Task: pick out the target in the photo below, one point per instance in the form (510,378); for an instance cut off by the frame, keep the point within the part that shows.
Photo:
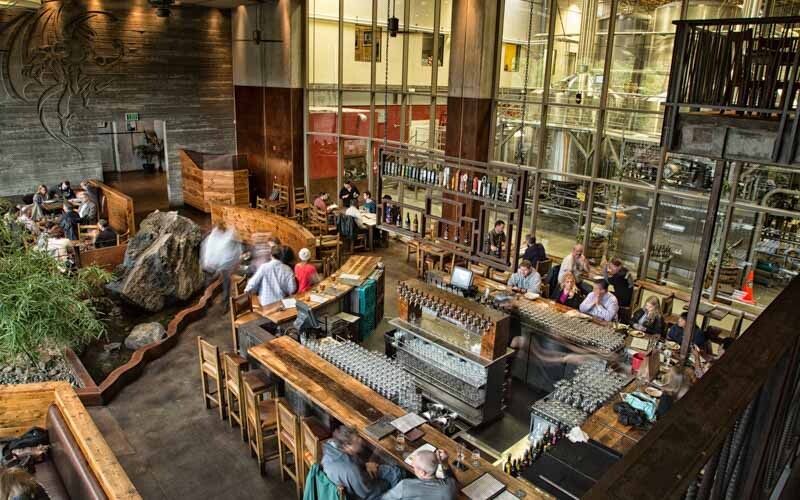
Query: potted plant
(148,153)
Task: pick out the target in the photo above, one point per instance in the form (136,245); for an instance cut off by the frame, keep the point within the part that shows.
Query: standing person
(599,303)
(348,194)
(342,464)
(87,210)
(426,486)
(369,204)
(620,278)
(106,236)
(497,238)
(273,281)
(649,318)
(38,210)
(574,263)
(567,292)
(69,222)
(304,272)
(91,191)
(65,190)
(220,253)
(534,253)
(526,279)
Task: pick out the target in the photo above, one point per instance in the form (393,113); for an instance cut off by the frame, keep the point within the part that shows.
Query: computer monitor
(461,278)
(306,320)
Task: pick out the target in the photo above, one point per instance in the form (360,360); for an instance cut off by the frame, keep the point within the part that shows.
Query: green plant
(147,152)
(42,307)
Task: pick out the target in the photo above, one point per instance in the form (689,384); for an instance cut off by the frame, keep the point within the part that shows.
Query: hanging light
(20,4)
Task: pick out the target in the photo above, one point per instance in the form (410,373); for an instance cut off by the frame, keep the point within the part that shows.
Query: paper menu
(483,488)
(506,496)
(425,447)
(319,299)
(347,276)
(640,344)
(289,303)
(407,422)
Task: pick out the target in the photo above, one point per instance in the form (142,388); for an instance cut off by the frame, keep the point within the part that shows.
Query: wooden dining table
(354,404)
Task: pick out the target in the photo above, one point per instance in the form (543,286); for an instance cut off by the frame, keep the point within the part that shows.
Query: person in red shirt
(305,273)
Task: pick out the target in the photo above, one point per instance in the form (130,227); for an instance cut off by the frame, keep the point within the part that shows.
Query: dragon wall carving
(53,58)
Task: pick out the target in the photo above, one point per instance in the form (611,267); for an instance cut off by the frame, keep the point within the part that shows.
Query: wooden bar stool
(289,443)
(312,434)
(210,368)
(262,422)
(234,366)
(241,312)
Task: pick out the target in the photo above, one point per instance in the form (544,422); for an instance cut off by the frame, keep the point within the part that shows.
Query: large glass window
(514,51)
(323,43)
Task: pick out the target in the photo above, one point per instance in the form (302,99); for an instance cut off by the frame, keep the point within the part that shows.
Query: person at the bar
(342,464)
(305,272)
(348,193)
(497,238)
(600,303)
(649,319)
(534,253)
(369,204)
(620,279)
(567,292)
(675,333)
(574,263)
(526,279)
(426,485)
(273,280)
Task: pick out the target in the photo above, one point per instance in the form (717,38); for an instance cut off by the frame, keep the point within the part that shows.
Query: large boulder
(162,262)
(144,334)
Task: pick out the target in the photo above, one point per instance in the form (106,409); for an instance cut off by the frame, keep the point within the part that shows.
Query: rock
(144,334)
(162,262)
(113,346)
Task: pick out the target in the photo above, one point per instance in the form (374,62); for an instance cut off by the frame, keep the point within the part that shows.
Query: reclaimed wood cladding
(178,70)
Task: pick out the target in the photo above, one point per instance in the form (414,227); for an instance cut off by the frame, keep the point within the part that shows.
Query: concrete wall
(124,59)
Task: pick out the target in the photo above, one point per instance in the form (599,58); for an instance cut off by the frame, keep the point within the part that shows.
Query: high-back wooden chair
(85,230)
(312,435)
(289,444)
(330,246)
(499,276)
(234,365)
(210,368)
(123,238)
(302,204)
(478,269)
(261,203)
(543,267)
(241,312)
(281,205)
(262,421)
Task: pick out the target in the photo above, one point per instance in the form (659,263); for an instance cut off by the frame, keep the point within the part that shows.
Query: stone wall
(88,63)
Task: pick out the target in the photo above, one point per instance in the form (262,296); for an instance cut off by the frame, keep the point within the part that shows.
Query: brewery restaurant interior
(399,249)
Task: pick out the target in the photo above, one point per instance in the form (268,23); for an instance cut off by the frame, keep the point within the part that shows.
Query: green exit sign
(131,117)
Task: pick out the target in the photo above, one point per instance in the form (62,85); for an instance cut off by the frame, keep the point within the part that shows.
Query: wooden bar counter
(354,404)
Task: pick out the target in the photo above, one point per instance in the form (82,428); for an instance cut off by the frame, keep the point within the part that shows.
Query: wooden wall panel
(117,208)
(107,258)
(250,139)
(249,221)
(200,187)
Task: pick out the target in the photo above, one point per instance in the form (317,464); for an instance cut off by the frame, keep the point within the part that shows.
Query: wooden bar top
(604,427)
(356,405)
(332,287)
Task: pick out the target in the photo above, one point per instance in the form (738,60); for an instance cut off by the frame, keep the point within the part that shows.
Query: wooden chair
(624,314)
(123,237)
(544,290)
(543,267)
(412,246)
(85,230)
(301,203)
(262,422)
(234,365)
(666,310)
(261,203)
(478,269)
(312,434)
(281,205)
(210,368)
(330,246)
(241,312)
(499,276)
(289,443)
(239,284)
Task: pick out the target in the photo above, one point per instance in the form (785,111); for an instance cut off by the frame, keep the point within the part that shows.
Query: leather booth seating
(66,474)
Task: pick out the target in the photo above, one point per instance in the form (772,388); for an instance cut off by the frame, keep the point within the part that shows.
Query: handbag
(643,403)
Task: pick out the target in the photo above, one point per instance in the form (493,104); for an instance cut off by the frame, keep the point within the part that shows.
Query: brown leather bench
(66,474)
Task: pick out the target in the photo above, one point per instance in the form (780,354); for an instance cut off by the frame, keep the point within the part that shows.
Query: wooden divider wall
(212,181)
(116,207)
(250,221)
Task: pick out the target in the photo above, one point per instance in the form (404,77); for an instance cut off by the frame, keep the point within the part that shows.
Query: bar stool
(289,443)
(261,417)
(234,365)
(312,434)
(210,368)
(241,311)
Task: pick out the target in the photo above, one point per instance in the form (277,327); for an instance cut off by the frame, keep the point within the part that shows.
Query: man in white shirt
(575,263)
(273,280)
(599,303)
(355,213)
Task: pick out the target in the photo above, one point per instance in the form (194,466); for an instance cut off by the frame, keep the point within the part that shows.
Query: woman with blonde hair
(649,319)
(16,484)
(567,291)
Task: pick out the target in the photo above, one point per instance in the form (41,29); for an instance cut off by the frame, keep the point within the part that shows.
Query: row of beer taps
(471,320)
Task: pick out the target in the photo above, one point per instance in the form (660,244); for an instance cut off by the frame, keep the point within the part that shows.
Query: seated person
(305,272)
(675,333)
(496,239)
(18,484)
(526,279)
(567,292)
(620,278)
(600,304)
(69,222)
(344,467)
(273,280)
(38,210)
(57,244)
(649,318)
(574,263)
(91,191)
(87,210)
(349,193)
(105,237)
(65,190)
(426,485)
(321,202)
(369,204)
(534,253)
(355,213)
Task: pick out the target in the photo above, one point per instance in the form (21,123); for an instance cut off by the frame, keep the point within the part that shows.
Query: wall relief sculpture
(53,58)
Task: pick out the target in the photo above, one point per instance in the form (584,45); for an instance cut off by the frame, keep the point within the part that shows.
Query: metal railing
(735,432)
(746,68)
